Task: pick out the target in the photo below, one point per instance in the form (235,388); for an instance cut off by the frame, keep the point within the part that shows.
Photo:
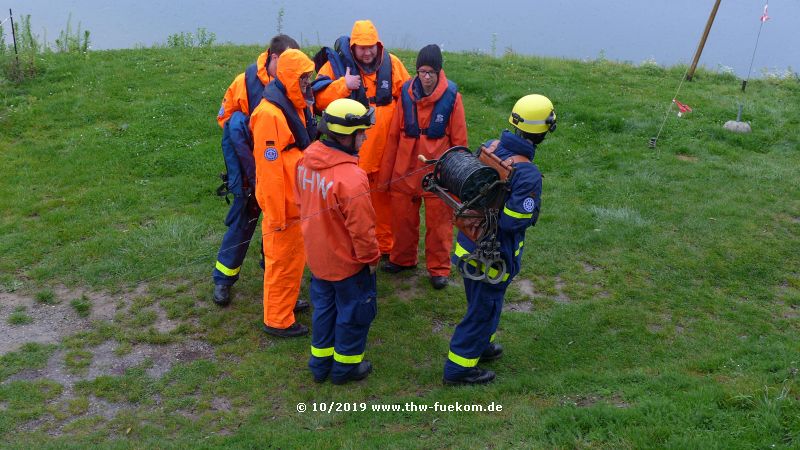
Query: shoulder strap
(254,87)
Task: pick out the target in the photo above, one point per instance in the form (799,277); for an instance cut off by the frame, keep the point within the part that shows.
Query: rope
(753,58)
(464,175)
(5,20)
(669,108)
(247,242)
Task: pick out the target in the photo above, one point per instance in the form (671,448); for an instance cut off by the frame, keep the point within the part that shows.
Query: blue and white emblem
(271,154)
(528,204)
(385,84)
(221,111)
(439,118)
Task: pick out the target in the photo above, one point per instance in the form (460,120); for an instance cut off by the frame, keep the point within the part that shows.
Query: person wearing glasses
(428,120)
(240,100)
(282,126)
(338,224)
(360,68)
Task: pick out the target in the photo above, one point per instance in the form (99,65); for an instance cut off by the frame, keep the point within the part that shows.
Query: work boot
(492,352)
(476,375)
(359,373)
(301,305)
(439,282)
(222,294)
(390,267)
(296,329)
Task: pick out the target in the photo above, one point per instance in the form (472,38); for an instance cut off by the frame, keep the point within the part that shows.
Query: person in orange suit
(428,120)
(282,126)
(241,98)
(363,70)
(340,244)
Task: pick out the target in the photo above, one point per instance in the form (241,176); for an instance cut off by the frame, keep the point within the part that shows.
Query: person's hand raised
(352,82)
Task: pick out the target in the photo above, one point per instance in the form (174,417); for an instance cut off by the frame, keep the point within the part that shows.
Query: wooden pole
(690,74)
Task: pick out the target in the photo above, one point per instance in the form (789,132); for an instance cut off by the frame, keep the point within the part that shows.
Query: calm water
(666,31)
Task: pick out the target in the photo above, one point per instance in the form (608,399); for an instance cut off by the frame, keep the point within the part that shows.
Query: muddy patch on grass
(523,307)
(587,401)
(159,359)
(687,158)
(561,297)
(526,288)
(51,322)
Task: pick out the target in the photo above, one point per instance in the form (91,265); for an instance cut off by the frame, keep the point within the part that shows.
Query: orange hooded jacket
(235,98)
(370,154)
(272,137)
(338,218)
(400,167)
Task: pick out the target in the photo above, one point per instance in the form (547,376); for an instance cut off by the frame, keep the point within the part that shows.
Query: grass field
(658,306)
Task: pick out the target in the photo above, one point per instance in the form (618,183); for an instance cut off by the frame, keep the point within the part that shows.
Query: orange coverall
(371,152)
(235,98)
(402,171)
(275,178)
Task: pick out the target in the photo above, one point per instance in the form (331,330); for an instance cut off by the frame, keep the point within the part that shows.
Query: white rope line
(669,108)
(760,27)
(204,257)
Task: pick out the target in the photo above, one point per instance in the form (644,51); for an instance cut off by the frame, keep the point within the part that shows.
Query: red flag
(765,17)
(682,108)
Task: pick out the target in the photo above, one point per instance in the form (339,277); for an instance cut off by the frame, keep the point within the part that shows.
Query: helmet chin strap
(535,138)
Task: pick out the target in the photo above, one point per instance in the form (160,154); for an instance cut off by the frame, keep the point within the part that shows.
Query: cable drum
(460,172)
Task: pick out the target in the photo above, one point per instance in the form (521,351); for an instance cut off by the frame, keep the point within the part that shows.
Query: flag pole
(702,44)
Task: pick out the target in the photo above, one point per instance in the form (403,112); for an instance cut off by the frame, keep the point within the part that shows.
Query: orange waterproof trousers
(438,232)
(382,204)
(284,260)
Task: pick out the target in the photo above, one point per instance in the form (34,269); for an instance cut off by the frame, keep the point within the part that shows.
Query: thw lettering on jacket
(311,180)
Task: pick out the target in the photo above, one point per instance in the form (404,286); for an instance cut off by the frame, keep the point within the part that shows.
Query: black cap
(430,55)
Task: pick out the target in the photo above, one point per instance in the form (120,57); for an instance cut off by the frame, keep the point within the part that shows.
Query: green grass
(19,316)
(82,306)
(667,279)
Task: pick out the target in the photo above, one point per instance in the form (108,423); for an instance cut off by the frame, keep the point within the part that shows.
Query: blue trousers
(477,328)
(343,312)
(242,220)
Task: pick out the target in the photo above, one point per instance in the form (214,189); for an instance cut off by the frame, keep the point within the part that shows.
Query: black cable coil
(460,172)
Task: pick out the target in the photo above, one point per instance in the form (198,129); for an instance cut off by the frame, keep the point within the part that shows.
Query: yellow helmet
(533,114)
(345,116)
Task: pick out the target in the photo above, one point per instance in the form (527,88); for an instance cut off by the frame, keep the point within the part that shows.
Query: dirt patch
(688,158)
(526,288)
(50,322)
(442,328)
(561,297)
(792,312)
(587,401)
(654,327)
(105,361)
(220,404)
(589,267)
(523,307)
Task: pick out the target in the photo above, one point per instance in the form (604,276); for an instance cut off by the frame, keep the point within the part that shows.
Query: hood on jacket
(261,63)
(416,92)
(364,33)
(319,156)
(291,65)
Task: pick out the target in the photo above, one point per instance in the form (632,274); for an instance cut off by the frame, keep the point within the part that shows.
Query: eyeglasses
(425,73)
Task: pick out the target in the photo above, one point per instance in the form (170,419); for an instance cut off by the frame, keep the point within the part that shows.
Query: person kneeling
(338,223)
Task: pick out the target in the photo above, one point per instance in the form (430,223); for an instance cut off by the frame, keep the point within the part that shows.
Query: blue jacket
(520,207)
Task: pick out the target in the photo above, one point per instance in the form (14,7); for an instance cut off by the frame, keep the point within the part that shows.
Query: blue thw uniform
(240,100)
(485,301)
